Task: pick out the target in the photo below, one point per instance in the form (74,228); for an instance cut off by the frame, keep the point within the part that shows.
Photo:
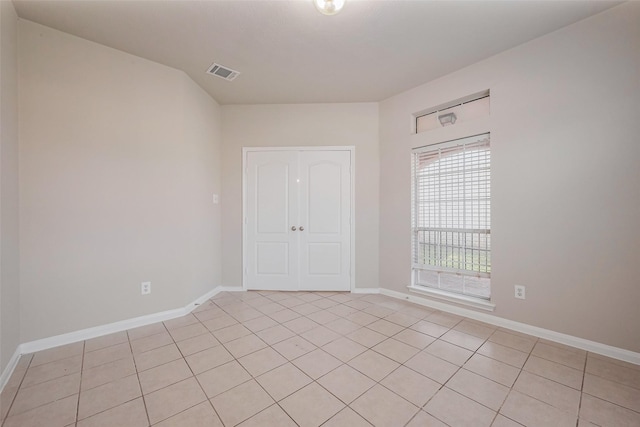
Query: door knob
(293,228)
(301,228)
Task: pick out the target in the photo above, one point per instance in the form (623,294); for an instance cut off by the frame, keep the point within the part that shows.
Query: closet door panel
(272,209)
(325,207)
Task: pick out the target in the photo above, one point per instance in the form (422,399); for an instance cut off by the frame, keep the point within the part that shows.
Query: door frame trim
(352,150)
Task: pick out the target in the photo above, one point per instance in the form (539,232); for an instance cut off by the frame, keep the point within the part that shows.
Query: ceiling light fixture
(329,7)
(447,119)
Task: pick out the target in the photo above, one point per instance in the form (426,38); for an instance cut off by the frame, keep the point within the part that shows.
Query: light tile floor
(310,359)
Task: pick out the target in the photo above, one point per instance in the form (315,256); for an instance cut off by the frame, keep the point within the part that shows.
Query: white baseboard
(570,340)
(11,366)
(231,288)
(98,331)
(365,290)
(123,325)
(201,300)
(85,334)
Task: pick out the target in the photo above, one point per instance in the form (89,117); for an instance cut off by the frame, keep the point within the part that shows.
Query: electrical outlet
(216,199)
(145,288)
(520,292)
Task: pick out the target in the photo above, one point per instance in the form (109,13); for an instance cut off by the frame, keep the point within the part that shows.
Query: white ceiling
(287,52)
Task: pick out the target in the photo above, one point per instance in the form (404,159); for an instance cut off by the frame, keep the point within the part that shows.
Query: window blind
(451,215)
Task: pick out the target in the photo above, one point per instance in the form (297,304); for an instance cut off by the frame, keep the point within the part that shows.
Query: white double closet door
(297,228)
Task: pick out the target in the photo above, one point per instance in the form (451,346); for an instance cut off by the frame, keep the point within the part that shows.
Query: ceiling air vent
(222,72)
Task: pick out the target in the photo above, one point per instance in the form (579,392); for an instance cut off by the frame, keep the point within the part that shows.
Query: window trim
(470,301)
(451,104)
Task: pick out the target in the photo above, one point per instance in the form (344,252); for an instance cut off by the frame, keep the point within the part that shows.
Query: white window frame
(466,109)
(429,289)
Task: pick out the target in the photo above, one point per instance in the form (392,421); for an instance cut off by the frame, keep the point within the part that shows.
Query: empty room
(319,213)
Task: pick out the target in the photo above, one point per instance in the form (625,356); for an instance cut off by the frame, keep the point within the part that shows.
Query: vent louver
(223,72)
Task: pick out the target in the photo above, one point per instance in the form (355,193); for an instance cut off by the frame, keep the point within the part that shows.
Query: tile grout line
(382,379)
(20,388)
(234,359)
(84,346)
(548,379)
(520,369)
(612,380)
(602,398)
(135,366)
(174,342)
(17,391)
(452,375)
(188,366)
(196,376)
(584,374)
(514,383)
(255,378)
(257,382)
(461,367)
(387,337)
(277,402)
(183,357)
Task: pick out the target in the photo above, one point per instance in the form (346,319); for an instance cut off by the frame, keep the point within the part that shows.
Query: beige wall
(119,158)
(303,125)
(565,176)
(201,219)
(9,251)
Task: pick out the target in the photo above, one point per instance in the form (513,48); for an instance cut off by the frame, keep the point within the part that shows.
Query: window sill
(449,297)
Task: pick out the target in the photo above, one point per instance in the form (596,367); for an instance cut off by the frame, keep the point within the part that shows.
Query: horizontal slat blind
(451,210)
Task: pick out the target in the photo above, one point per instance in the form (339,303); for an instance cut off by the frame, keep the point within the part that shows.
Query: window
(464,110)
(451,216)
